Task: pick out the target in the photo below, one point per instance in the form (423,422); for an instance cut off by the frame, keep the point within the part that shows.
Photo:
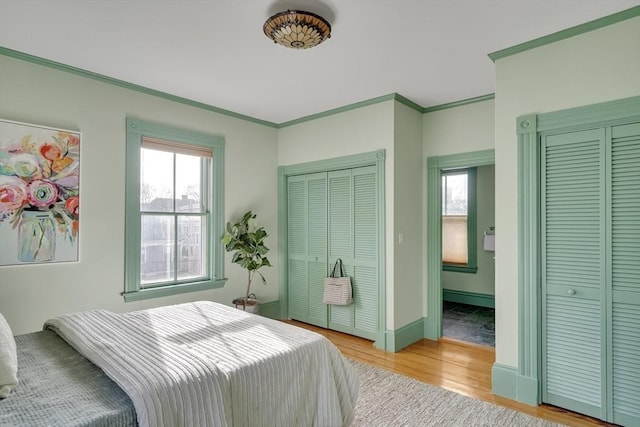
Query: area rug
(388,399)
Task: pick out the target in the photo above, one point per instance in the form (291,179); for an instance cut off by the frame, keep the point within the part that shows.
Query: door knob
(571,292)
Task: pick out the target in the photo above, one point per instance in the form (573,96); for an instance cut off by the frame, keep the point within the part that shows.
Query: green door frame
(528,381)
(435,166)
(373,158)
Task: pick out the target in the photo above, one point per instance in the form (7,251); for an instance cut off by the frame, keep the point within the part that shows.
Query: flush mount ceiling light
(297,29)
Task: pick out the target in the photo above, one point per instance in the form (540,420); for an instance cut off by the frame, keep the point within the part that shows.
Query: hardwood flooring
(454,365)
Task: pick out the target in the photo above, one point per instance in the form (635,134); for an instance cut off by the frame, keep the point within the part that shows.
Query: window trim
(136,130)
(472,221)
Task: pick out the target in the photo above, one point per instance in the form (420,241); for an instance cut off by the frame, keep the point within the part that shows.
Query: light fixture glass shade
(297,29)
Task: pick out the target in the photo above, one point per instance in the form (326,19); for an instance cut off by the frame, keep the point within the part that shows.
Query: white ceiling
(214,51)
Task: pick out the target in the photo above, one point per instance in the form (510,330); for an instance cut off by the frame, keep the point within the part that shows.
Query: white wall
(355,131)
(483,282)
(30,294)
(598,66)
(459,130)
(408,256)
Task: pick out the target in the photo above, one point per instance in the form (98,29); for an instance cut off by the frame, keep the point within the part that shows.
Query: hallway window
(459,220)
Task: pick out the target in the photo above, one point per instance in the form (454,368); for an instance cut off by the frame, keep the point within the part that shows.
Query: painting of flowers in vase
(39,194)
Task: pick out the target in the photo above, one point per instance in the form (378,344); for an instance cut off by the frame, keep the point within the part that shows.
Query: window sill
(168,290)
(460,268)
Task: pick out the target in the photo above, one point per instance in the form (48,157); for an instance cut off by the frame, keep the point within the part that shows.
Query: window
(459,220)
(174,208)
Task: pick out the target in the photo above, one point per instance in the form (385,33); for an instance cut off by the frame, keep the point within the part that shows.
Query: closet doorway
(333,209)
(580,258)
(436,166)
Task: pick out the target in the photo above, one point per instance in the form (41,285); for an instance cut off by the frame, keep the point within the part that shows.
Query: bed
(195,364)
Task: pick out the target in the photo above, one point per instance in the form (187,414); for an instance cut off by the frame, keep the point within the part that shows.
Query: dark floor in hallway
(468,323)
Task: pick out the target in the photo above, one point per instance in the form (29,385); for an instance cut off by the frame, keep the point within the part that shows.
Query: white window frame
(137,130)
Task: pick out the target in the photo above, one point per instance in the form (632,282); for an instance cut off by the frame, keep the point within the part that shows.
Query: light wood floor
(453,365)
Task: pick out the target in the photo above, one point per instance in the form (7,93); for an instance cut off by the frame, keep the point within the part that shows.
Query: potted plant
(247,242)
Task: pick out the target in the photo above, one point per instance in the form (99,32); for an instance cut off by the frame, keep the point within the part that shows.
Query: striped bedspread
(206,364)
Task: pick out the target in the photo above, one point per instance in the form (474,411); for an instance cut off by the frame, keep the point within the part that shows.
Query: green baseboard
(471,298)
(270,309)
(507,382)
(405,336)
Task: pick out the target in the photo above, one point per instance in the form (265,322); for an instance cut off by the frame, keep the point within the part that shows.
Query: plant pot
(248,304)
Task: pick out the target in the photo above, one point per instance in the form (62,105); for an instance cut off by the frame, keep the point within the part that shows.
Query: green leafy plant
(247,241)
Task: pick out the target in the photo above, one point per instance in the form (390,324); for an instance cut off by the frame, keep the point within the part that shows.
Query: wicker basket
(248,304)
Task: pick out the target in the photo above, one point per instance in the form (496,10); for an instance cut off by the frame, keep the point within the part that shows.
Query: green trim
(529,128)
(382,250)
(354,106)
(338,163)
(527,390)
(131,86)
(435,166)
(462,160)
(270,309)
(460,103)
(588,117)
(375,158)
(136,130)
(166,291)
(459,268)
(471,298)
(283,242)
(148,91)
(405,336)
(506,382)
(409,103)
(392,96)
(528,213)
(567,33)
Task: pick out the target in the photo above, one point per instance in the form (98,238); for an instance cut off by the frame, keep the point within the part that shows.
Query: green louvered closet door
(353,238)
(591,272)
(624,274)
(334,215)
(307,242)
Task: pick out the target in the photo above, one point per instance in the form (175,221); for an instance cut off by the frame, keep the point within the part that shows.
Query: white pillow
(8,359)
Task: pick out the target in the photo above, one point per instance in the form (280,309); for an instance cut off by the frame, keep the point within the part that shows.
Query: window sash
(173,243)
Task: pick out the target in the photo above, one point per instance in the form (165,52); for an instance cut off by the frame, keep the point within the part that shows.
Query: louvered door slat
(297,216)
(625,272)
(572,221)
(340,216)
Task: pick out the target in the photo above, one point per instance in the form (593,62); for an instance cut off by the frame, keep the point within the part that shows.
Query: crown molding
(460,103)
(567,33)
(121,83)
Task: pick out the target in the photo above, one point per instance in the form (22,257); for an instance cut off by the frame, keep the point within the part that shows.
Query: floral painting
(39,194)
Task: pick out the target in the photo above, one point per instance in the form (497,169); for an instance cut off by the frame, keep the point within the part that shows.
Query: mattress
(59,387)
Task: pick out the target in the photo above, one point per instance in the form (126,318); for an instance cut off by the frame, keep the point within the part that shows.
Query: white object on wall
(489,241)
